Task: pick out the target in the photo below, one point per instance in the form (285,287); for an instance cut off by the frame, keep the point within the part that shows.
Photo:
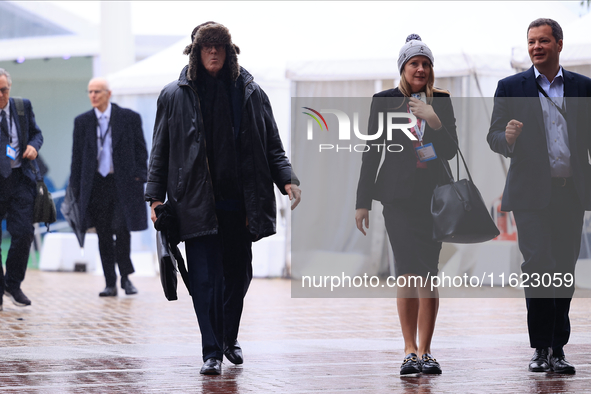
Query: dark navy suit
(17,196)
(549,215)
(113,204)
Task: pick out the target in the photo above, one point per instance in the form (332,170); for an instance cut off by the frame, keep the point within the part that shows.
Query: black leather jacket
(178,168)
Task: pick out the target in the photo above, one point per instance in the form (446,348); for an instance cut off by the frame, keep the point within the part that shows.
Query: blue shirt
(555,124)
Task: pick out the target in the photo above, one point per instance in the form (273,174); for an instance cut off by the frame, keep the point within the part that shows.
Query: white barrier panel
(61,252)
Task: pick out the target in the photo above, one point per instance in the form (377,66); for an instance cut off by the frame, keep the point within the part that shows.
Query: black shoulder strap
(181,266)
(20,109)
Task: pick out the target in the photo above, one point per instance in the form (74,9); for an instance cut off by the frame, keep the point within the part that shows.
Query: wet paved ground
(72,341)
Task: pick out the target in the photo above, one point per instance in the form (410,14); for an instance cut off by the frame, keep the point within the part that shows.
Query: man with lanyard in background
(18,150)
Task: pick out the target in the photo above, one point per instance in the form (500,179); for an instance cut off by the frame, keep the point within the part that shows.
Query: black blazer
(396,175)
(528,183)
(130,159)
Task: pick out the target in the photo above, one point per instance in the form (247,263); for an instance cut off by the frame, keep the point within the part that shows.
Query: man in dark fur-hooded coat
(215,156)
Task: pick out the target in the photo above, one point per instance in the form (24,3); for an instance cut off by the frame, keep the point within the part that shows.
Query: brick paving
(72,341)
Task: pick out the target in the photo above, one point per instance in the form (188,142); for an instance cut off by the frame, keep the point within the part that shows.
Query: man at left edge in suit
(108,172)
(18,150)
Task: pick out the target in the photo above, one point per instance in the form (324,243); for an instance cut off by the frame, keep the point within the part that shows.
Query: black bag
(44,208)
(169,256)
(169,259)
(459,213)
(167,267)
(71,212)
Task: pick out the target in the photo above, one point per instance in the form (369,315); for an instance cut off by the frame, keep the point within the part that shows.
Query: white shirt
(13,134)
(556,127)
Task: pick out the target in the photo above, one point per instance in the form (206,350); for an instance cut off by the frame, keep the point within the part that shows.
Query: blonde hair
(406,90)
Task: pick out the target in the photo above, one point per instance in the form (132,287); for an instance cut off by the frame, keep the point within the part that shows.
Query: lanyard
(561,110)
(420,131)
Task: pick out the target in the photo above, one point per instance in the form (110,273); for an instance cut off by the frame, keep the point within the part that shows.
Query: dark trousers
(17,198)
(109,221)
(550,240)
(220,271)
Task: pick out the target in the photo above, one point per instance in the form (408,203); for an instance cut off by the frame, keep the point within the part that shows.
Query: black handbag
(44,209)
(459,213)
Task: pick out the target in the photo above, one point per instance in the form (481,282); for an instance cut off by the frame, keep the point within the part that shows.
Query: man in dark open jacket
(215,156)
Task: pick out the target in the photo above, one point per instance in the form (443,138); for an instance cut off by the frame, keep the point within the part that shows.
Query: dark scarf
(218,119)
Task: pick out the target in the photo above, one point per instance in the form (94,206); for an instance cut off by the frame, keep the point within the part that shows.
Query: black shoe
(212,366)
(128,286)
(429,364)
(234,353)
(109,292)
(18,297)
(539,362)
(410,364)
(560,365)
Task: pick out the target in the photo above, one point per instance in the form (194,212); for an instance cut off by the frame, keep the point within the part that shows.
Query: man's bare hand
(512,131)
(361,216)
(294,193)
(30,153)
(153,215)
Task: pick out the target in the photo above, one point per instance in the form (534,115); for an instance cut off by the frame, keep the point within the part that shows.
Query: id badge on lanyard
(424,152)
(10,152)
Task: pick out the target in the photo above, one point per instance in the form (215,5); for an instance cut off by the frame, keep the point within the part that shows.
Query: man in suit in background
(541,120)
(109,169)
(18,150)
